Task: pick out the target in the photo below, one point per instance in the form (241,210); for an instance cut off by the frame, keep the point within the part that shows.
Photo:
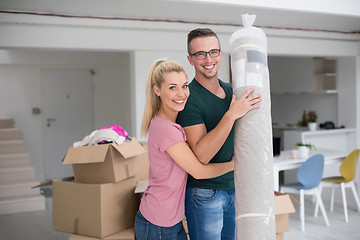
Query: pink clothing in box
(163,202)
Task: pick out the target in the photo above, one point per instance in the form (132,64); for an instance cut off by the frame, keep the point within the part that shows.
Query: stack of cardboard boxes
(101,202)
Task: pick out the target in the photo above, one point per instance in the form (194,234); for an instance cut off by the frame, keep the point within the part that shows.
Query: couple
(191,133)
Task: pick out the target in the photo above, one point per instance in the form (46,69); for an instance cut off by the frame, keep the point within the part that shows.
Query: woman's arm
(185,158)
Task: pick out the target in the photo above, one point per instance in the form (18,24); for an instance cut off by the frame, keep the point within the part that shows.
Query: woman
(162,205)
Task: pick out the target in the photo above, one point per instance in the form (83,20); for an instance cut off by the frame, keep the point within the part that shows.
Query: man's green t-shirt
(203,107)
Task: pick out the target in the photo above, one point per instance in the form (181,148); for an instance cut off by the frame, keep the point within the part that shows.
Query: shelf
(324,74)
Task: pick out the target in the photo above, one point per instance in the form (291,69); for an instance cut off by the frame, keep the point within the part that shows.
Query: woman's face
(174,92)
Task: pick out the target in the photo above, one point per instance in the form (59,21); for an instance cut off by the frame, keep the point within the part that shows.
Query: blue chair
(309,176)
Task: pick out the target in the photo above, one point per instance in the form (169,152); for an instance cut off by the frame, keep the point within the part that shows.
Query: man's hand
(239,107)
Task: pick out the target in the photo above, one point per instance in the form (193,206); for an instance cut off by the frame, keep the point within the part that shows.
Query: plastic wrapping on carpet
(253,154)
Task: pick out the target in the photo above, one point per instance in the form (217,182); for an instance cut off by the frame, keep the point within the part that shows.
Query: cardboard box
(283,206)
(95,210)
(49,183)
(280,236)
(185,225)
(143,164)
(128,234)
(106,163)
(141,186)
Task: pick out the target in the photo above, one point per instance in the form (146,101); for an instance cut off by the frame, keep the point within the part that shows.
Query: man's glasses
(202,55)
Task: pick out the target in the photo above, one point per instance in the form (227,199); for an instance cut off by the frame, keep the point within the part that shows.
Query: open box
(106,163)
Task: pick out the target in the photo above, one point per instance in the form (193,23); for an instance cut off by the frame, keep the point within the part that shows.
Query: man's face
(208,67)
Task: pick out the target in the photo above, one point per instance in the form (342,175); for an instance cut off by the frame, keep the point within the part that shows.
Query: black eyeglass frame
(206,53)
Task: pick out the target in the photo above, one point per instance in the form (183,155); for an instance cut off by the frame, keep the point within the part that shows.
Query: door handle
(49,120)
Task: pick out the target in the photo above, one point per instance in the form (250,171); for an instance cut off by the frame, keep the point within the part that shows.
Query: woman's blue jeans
(210,214)
(145,230)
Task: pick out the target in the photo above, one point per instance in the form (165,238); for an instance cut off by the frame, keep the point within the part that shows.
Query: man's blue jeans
(210,214)
(145,230)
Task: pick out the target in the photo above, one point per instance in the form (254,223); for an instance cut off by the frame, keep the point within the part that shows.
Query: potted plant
(304,149)
(312,117)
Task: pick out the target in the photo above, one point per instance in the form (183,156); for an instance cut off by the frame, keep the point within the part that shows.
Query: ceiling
(280,14)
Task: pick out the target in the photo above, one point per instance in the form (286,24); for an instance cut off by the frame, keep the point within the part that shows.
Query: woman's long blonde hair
(155,77)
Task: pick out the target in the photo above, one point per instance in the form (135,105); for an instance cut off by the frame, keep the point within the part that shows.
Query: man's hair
(199,32)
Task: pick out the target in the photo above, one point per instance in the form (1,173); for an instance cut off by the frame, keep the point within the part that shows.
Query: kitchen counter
(342,139)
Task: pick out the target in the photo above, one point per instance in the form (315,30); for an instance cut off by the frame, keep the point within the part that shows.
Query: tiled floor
(38,225)
(316,229)
(30,226)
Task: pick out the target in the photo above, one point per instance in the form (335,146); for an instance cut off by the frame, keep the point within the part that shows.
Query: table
(285,161)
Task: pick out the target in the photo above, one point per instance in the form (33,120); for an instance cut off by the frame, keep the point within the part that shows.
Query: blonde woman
(162,205)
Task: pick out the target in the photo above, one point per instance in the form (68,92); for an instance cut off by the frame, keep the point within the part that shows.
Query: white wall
(20,91)
(357,97)
(357,105)
(347,91)
(112,81)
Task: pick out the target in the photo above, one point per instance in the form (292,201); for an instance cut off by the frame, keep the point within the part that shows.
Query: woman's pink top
(163,202)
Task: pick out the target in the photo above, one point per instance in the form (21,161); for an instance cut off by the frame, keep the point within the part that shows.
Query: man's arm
(206,144)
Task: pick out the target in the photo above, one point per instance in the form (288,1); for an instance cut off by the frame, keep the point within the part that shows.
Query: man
(208,120)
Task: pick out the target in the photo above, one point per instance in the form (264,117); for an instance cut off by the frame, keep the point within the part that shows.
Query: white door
(68,112)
